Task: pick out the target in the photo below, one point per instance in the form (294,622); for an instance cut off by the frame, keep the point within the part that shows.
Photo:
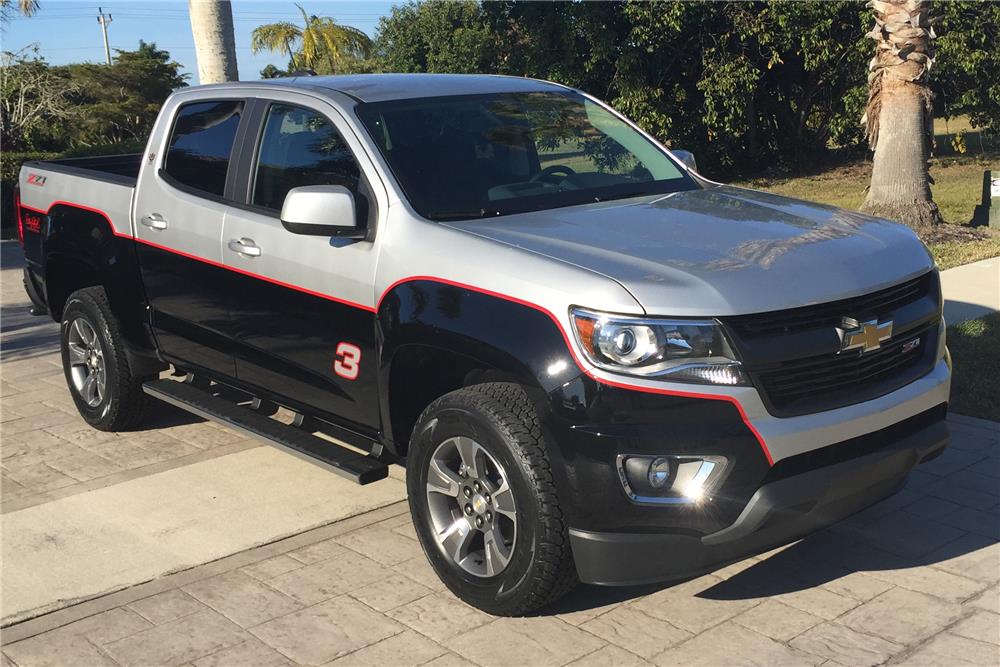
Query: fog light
(670,479)
(659,473)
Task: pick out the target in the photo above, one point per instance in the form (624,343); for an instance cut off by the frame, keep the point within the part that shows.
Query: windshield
(478,156)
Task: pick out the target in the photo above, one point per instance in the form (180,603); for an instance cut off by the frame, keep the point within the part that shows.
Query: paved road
(972,290)
(913,580)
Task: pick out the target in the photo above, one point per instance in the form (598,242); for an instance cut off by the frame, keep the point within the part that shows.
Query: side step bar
(350,464)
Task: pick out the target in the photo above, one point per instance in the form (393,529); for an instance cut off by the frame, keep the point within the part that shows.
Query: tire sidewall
(77,307)
(505,589)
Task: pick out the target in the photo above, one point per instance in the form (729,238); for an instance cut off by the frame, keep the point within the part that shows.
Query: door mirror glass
(321,210)
(686,158)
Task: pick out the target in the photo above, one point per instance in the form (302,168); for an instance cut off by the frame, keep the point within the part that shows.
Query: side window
(300,147)
(201,143)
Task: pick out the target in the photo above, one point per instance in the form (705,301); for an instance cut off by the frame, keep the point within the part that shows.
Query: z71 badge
(35,179)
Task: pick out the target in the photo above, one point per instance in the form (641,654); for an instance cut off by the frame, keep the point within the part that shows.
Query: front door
(302,306)
(179,212)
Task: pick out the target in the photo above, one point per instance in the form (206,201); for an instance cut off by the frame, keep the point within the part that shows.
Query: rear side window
(201,143)
(300,147)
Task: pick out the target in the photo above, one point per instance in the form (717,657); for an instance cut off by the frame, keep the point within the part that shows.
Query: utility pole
(104,20)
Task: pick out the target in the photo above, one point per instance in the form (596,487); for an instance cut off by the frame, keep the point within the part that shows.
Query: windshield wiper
(623,195)
(465,215)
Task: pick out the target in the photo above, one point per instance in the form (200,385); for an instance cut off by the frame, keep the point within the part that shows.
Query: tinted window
(300,147)
(480,156)
(201,143)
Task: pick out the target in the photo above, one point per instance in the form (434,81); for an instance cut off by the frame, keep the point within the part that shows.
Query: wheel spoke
(503,500)
(497,553)
(442,480)
(77,354)
(468,449)
(101,384)
(89,389)
(456,539)
(87,334)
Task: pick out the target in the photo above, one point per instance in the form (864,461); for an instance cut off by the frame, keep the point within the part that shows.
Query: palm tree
(319,39)
(899,116)
(214,41)
(25,7)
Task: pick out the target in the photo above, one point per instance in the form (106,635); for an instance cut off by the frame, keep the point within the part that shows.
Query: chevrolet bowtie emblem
(865,336)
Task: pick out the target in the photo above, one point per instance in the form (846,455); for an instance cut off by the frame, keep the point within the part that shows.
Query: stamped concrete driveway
(913,580)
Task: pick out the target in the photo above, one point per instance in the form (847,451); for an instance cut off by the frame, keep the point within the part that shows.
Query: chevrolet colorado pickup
(595,364)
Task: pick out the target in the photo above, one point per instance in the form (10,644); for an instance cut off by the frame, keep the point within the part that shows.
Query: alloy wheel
(471,507)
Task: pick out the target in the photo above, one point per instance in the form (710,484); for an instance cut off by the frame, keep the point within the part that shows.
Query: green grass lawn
(957,189)
(975,354)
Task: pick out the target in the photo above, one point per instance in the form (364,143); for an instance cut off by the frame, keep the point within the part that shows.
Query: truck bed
(122,169)
(104,185)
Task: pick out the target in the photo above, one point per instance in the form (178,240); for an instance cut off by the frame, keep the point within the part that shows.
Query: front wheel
(484,503)
(107,395)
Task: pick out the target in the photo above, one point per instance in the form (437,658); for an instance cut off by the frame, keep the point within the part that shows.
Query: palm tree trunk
(214,40)
(899,115)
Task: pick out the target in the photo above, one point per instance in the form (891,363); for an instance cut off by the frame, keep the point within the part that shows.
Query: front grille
(793,356)
(823,382)
(830,314)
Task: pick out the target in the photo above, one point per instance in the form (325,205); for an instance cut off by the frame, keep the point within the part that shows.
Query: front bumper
(790,504)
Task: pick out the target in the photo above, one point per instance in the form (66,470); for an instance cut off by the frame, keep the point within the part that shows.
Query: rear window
(201,143)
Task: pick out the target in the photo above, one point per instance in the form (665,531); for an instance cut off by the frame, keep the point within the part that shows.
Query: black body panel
(189,309)
(592,423)
(438,334)
(286,340)
(73,248)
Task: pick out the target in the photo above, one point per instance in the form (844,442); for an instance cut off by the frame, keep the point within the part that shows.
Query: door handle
(154,221)
(245,247)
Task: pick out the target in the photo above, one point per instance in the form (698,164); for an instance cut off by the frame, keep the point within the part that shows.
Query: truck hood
(720,251)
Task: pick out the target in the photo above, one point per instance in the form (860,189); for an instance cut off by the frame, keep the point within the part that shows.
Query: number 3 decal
(348,361)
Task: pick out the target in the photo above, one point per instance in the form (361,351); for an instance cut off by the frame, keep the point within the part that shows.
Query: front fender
(444,331)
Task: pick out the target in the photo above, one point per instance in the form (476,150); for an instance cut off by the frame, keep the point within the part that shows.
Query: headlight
(678,350)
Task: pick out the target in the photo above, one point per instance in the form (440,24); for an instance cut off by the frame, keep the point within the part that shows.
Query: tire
(118,403)
(501,419)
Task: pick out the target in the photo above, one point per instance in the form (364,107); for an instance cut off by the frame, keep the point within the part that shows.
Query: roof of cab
(387,87)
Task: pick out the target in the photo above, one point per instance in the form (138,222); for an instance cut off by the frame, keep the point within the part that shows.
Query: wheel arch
(81,250)
(437,337)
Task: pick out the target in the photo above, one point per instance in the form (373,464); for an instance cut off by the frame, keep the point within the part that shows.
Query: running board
(348,463)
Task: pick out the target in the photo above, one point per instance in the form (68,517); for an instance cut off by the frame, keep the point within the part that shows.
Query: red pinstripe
(445,281)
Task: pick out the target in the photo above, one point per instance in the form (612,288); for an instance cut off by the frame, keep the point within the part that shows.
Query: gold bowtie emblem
(865,336)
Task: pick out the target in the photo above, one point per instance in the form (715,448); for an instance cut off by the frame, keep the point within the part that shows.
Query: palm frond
(274,37)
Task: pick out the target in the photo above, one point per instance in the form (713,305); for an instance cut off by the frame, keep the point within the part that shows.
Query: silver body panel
(720,251)
(715,252)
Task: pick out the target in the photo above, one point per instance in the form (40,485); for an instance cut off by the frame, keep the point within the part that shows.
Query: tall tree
(25,7)
(214,40)
(320,44)
(899,115)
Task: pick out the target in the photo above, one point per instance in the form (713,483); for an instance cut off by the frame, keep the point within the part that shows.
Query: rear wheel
(484,503)
(97,369)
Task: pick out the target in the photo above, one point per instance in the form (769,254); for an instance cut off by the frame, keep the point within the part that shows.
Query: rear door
(302,307)
(181,203)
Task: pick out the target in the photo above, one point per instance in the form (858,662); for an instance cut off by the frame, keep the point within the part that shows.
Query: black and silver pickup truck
(595,364)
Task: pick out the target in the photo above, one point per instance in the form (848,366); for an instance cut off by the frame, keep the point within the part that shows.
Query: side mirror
(686,158)
(321,210)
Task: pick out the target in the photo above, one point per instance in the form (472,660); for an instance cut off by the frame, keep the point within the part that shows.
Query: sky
(67,31)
